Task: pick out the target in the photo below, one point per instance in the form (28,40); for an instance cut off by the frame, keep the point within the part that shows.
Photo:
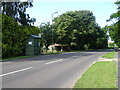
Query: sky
(42,10)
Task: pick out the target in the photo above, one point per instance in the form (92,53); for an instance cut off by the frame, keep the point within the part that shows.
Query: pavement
(118,63)
(48,71)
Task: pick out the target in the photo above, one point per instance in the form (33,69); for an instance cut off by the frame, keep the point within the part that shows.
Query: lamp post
(52,29)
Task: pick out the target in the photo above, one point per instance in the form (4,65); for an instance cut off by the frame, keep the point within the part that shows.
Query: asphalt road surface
(47,71)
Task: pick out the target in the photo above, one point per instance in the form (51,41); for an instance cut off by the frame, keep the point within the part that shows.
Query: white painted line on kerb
(15,71)
(54,61)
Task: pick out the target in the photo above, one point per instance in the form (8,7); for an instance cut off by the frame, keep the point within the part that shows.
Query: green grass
(18,57)
(99,75)
(109,55)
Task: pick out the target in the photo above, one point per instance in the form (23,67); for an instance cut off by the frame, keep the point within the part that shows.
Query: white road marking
(54,61)
(16,71)
(74,56)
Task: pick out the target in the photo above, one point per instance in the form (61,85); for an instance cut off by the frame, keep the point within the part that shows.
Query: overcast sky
(43,9)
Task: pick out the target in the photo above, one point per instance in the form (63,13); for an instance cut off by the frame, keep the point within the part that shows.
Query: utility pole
(52,29)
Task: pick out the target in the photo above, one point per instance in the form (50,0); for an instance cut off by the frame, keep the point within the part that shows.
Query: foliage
(46,32)
(115,28)
(79,30)
(14,37)
(17,10)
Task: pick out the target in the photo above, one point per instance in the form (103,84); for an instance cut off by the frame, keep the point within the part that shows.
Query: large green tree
(16,26)
(79,29)
(46,33)
(17,10)
(14,37)
(115,27)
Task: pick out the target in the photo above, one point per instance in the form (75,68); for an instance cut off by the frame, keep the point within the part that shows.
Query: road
(47,71)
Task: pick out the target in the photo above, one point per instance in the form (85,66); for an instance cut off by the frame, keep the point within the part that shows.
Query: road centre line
(54,61)
(74,56)
(15,71)
(31,67)
(59,60)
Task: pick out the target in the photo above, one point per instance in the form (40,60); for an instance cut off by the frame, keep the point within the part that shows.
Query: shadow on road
(58,56)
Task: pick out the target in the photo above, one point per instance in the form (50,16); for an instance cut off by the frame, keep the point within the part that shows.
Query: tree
(78,29)
(14,37)
(17,10)
(46,32)
(115,28)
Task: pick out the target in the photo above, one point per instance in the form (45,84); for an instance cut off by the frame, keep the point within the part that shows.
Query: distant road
(47,71)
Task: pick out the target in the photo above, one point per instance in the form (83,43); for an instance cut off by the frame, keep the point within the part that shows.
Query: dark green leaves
(14,37)
(115,27)
(78,28)
(17,10)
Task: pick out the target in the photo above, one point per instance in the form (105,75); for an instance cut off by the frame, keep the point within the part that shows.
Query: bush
(14,37)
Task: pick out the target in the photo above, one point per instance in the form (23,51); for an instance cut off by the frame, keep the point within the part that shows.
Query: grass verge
(18,57)
(109,55)
(99,75)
